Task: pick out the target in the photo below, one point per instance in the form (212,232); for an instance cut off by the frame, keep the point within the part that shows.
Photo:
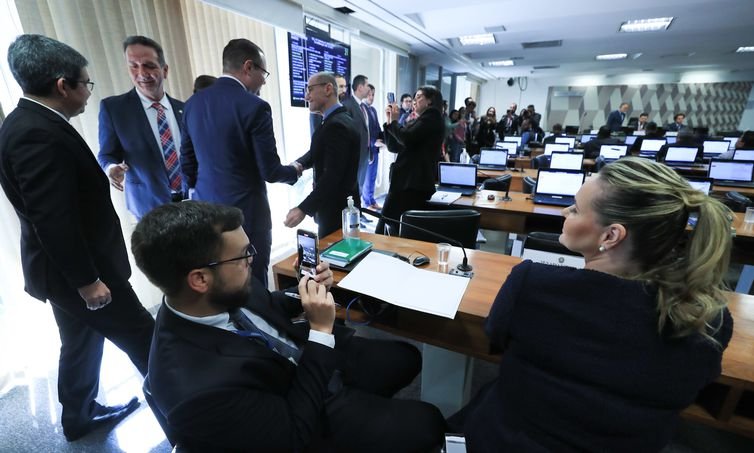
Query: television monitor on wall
(316,52)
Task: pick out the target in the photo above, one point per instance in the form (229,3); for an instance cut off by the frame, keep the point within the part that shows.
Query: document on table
(441,197)
(404,285)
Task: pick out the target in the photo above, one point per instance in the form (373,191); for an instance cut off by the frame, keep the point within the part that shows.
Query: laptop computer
(643,132)
(550,147)
(701,184)
(713,148)
(585,138)
(671,133)
(630,140)
(457,178)
(514,139)
(671,140)
(511,147)
(566,139)
(681,156)
(735,173)
(731,142)
(743,154)
(613,152)
(557,187)
(560,160)
(493,159)
(650,146)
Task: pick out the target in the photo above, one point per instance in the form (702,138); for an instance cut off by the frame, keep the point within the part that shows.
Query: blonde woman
(605,358)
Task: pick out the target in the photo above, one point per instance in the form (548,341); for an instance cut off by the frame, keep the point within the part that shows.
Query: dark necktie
(168,149)
(249,329)
(366,120)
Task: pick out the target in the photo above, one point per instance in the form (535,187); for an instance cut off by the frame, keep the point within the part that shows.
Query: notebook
(701,184)
(345,251)
(566,161)
(457,178)
(557,187)
(681,155)
(735,173)
(550,147)
(713,148)
(566,139)
(613,152)
(493,159)
(743,154)
(511,147)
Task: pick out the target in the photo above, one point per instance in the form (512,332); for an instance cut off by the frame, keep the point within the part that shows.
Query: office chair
(541,161)
(161,419)
(599,162)
(501,183)
(528,184)
(459,224)
(571,130)
(545,248)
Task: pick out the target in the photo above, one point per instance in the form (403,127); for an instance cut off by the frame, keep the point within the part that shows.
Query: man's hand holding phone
(318,304)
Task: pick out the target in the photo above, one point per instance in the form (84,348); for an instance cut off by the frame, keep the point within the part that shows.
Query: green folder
(345,251)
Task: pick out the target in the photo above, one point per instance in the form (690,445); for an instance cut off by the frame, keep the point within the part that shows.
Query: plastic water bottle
(351,221)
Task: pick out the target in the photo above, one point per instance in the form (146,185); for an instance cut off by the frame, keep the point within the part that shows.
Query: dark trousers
(363,417)
(396,203)
(262,241)
(124,321)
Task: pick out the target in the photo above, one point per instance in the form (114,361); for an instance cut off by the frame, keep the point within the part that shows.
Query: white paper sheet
(441,197)
(404,285)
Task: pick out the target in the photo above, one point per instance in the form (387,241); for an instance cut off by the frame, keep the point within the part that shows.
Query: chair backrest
(501,183)
(541,161)
(161,419)
(528,184)
(459,224)
(599,162)
(546,248)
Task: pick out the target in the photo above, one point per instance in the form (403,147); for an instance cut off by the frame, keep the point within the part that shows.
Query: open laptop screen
(497,157)
(566,161)
(613,151)
(508,146)
(743,154)
(650,144)
(565,139)
(701,184)
(630,139)
(714,148)
(681,154)
(587,137)
(731,142)
(671,140)
(550,147)
(731,170)
(559,182)
(457,174)
(516,140)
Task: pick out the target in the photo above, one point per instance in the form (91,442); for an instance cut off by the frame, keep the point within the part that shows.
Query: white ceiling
(703,36)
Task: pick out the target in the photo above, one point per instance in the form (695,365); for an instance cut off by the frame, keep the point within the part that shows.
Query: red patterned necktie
(168,149)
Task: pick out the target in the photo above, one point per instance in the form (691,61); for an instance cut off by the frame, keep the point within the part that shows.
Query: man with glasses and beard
(228,370)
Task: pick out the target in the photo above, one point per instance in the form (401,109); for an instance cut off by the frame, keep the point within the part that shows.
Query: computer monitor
(585,138)
(613,152)
(550,147)
(652,144)
(731,142)
(743,154)
(681,155)
(560,160)
(511,147)
(701,184)
(723,171)
(630,139)
(671,140)
(671,133)
(713,148)
(642,132)
(514,139)
(493,157)
(566,139)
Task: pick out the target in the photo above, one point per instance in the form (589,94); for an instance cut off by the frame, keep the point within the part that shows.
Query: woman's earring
(601,248)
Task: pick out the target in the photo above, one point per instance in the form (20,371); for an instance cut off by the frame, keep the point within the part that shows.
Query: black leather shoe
(103,415)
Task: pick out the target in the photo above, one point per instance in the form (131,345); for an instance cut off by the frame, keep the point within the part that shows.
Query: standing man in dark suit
(231,372)
(229,150)
(333,156)
(615,118)
(356,106)
(139,132)
(72,248)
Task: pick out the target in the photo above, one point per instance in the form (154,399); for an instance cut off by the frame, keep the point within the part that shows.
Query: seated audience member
(557,131)
(231,372)
(592,147)
(746,141)
(606,357)
(685,139)
(641,124)
(527,133)
(203,81)
(677,124)
(653,132)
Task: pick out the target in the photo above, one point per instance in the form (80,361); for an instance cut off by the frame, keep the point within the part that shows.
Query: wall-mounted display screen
(311,54)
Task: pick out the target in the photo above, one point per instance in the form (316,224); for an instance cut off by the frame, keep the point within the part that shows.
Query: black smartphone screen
(308,255)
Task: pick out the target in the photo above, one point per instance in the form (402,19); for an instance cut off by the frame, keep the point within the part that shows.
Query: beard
(227,300)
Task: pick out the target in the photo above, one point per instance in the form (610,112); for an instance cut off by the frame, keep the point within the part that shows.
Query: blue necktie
(249,329)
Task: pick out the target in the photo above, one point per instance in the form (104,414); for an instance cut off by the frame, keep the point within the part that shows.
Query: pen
(298,296)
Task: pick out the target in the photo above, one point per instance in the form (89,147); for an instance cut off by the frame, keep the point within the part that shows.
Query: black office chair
(599,162)
(545,248)
(459,224)
(158,414)
(541,161)
(529,184)
(501,183)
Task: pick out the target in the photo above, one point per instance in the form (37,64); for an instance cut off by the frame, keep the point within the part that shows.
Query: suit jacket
(70,233)
(334,157)
(418,145)
(228,151)
(221,391)
(615,120)
(126,135)
(360,125)
(675,127)
(375,132)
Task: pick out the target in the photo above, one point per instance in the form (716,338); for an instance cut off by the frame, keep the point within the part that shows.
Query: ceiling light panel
(500,63)
(745,49)
(483,39)
(641,25)
(612,56)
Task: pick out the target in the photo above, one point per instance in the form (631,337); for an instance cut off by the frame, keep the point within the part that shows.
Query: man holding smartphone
(234,373)
(333,155)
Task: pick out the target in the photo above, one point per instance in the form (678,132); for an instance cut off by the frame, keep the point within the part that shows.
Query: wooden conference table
(727,404)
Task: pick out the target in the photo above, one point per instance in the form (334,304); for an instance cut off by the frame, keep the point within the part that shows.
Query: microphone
(463,267)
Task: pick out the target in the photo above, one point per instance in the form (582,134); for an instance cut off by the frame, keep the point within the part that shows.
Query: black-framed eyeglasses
(309,87)
(250,253)
(266,73)
(89,84)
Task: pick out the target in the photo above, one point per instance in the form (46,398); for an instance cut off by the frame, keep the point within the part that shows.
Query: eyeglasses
(309,87)
(250,253)
(89,84)
(266,74)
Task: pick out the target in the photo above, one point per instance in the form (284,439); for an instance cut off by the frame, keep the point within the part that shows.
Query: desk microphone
(463,267)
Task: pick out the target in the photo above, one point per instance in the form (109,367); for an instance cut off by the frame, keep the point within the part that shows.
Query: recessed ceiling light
(500,63)
(612,56)
(745,49)
(477,40)
(655,24)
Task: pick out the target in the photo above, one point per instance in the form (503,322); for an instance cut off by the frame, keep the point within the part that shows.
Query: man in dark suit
(72,248)
(615,118)
(592,147)
(139,132)
(677,124)
(356,107)
(557,131)
(333,156)
(685,139)
(653,132)
(228,369)
(229,150)
(375,143)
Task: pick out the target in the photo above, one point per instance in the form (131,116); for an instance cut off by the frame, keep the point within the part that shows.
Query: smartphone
(308,253)
(391,98)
